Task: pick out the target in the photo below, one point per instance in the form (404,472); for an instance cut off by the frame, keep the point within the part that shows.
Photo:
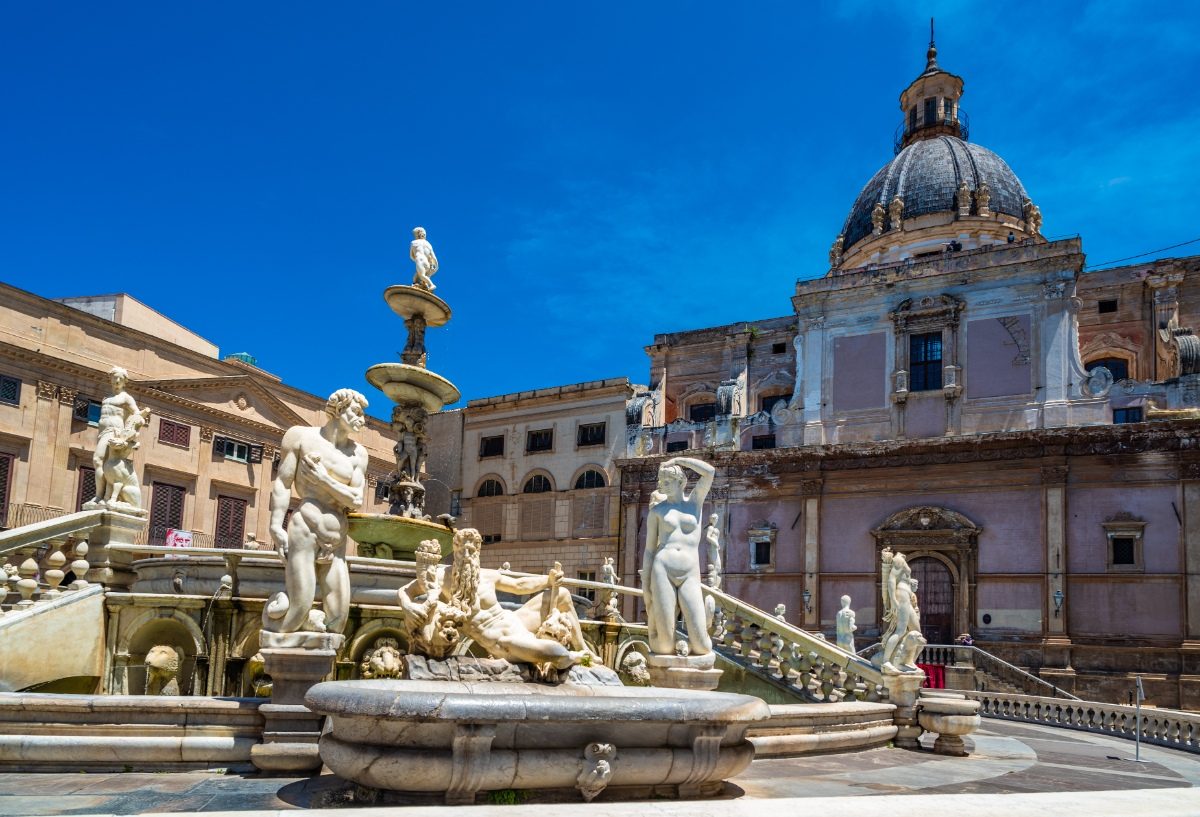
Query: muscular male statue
(328,470)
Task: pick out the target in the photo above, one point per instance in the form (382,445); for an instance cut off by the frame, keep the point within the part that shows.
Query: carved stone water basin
(459,739)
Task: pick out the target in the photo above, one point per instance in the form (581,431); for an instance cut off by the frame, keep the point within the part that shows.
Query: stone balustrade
(1161,727)
(808,664)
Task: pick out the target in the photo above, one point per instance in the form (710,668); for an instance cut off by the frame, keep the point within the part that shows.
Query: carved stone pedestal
(295,662)
(684,671)
(903,688)
(113,569)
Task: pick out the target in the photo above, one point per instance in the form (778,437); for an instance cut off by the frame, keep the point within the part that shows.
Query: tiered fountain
(417,392)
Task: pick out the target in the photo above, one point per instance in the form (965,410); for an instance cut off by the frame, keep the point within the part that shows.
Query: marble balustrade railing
(1161,727)
(968,655)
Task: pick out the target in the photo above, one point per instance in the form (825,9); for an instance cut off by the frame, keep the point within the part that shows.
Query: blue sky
(590,174)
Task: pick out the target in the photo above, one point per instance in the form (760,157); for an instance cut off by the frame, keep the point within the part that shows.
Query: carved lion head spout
(162,670)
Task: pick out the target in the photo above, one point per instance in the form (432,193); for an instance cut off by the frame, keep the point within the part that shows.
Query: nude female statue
(671,564)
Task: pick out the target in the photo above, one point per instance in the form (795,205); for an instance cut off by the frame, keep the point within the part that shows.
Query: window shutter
(231,521)
(6,470)
(256,453)
(87,486)
(218,444)
(10,390)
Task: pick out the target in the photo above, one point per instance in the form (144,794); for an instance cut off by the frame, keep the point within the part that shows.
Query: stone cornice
(1177,436)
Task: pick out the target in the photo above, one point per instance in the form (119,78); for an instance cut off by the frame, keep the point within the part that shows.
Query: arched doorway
(935,595)
(942,549)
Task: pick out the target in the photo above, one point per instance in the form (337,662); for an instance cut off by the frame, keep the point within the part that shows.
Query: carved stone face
(352,417)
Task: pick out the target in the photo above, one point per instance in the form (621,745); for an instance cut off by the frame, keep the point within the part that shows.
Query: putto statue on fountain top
(421,252)
(328,469)
(117,484)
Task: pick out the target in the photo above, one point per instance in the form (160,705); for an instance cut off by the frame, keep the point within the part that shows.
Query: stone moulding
(458,739)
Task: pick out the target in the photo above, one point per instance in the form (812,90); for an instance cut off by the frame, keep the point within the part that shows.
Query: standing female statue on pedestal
(671,564)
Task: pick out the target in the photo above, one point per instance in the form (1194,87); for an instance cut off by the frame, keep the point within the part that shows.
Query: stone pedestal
(296,662)
(684,671)
(961,674)
(113,570)
(902,689)
(950,718)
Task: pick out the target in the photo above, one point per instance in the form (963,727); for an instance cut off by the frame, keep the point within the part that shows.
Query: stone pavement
(1014,769)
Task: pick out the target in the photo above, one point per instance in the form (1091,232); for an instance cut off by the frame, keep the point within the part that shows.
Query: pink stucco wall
(858,372)
(1135,605)
(1087,508)
(789,538)
(1014,605)
(997,357)
(1011,541)
(925,415)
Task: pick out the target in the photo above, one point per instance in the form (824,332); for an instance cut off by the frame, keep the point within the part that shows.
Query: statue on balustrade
(902,641)
(327,468)
(117,484)
(671,565)
(846,626)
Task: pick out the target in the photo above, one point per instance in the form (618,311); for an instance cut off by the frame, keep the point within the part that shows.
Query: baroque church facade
(958,389)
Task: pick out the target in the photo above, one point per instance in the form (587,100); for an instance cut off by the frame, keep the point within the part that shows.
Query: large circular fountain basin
(457,738)
(399,534)
(403,383)
(407,301)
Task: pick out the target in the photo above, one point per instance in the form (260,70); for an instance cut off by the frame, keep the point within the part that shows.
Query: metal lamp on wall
(1059,595)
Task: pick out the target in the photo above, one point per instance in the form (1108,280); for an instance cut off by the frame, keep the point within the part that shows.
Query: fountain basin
(403,383)
(395,537)
(457,739)
(408,301)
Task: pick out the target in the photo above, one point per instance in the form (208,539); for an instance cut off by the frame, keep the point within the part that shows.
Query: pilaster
(810,490)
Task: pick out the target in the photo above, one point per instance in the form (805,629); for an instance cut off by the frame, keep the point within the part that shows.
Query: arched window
(537,484)
(1118,367)
(490,487)
(590,478)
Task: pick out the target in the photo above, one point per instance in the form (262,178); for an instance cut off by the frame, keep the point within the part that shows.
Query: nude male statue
(421,252)
(470,592)
(328,470)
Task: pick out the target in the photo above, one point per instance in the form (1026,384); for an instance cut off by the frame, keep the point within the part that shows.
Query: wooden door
(935,595)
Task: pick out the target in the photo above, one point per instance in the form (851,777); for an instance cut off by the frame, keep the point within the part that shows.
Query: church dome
(926,175)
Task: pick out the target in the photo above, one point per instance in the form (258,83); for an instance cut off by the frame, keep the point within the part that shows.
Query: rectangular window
(382,491)
(587,592)
(231,522)
(702,412)
(491,446)
(87,486)
(761,554)
(489,538)
(760,441)
(591,434)
(912,119)
(86,410)
(677,445)
(1107,305)
(778,348)
(1117,366)
(166,510)
(930,110)
(1123,550)
(1127,415)
(173,433)
(6,473)
(540,440)
(236,450)
(10,390)
(456,503)
(925,361)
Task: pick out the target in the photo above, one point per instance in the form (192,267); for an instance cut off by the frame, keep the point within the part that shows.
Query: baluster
(27,584)
(749,636)
(80,566)
(54,573)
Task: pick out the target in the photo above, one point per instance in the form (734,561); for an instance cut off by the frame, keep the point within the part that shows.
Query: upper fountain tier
(410,301)
(404,383)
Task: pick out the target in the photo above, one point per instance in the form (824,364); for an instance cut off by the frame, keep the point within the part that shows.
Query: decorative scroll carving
(46,391)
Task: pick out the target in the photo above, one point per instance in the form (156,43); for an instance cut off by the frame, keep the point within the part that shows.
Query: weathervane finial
(931,54)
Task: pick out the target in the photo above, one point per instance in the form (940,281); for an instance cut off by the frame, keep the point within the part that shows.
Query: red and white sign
(178,538)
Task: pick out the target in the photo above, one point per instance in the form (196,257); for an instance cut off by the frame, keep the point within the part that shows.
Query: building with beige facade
(536,473)
(207,457)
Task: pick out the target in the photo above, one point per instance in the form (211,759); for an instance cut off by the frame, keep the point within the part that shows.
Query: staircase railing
(797,659)
(1026,682)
